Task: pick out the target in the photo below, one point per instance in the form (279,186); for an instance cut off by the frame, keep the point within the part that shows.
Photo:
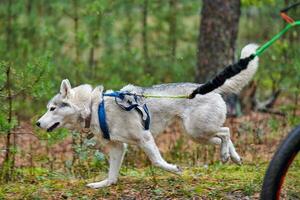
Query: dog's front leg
(147,143)
(116,155)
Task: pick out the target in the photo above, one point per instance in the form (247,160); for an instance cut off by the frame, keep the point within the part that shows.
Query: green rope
(276,37)
(166,96)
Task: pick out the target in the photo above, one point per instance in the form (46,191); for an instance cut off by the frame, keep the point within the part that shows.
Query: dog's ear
(65,88)
(97,93)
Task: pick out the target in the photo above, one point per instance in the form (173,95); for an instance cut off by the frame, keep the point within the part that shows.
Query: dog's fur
(202,117)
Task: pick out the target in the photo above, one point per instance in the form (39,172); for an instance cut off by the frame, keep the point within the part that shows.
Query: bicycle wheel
(278,167)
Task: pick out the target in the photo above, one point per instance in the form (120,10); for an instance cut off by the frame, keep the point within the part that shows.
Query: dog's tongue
(53,127)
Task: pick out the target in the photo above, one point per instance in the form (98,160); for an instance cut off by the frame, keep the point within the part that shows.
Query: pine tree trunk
(173,28)
(147,66)
(9,26)
(94,31)
(128,30)
(8,162)
(76,27)
(218,33)
(77,61)
(7,167)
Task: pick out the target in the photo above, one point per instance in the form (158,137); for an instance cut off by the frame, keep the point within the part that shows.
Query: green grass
(216,181)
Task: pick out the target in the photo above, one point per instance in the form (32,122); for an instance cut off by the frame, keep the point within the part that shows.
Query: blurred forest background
(142,42)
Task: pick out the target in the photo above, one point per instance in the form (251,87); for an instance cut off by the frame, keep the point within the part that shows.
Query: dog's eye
(52,108)
(64,105)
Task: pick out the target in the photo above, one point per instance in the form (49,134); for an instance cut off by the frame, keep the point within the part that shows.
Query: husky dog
(202,117)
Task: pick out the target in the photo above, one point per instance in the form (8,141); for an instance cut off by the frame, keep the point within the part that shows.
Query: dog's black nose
(38,124)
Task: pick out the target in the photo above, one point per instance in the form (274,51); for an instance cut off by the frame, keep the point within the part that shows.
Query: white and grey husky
(202,117)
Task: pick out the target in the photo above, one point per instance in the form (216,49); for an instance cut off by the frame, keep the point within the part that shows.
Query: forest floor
(217,181)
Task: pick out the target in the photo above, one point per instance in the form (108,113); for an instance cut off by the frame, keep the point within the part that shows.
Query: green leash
(165,96)
(261,49)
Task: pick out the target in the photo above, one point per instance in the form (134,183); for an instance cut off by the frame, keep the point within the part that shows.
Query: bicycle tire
(279,165)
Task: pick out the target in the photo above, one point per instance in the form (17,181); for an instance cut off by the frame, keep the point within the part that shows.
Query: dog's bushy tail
(236,83)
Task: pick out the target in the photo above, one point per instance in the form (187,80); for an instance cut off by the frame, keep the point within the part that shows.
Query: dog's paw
(225,157)
(174,169)
(100,184)
(179,171)
(237,160)
(235,157)
(97,185)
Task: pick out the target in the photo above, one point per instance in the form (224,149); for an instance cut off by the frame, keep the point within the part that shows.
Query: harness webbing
(132,105)
(102,120)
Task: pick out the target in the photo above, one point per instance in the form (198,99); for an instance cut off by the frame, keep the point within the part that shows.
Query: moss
(216,181)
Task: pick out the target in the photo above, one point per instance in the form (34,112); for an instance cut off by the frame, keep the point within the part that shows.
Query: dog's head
(67,109)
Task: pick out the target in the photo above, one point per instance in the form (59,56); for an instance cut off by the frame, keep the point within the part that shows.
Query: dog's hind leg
(233,154)
(148,145)
(224,135)
(116,155)
(227,147)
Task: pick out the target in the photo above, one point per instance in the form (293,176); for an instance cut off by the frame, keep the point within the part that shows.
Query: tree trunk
(147,66)
(173,29)
(9,26)
(8,163)
(7,167)
(218,33)
(75,18)
(128,30)
(95,28)
(76,26)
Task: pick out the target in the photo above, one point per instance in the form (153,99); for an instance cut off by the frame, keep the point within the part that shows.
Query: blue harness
(119,97)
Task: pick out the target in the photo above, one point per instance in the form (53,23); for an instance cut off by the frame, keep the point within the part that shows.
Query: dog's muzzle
(53,127)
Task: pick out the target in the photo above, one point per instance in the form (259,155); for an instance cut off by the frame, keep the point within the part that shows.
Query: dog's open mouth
(53,127)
